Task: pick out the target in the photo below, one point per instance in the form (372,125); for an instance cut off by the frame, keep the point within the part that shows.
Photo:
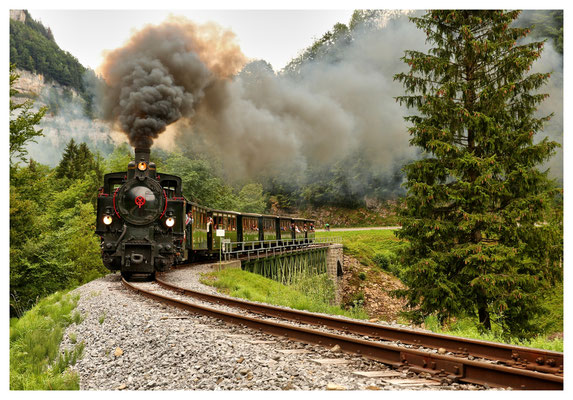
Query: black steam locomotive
(146,225)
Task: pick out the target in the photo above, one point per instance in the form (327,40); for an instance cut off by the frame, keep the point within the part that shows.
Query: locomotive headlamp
(169,222)
(142,166)
(107,219)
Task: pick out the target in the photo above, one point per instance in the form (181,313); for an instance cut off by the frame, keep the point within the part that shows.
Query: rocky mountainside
(54,78)
(65,119)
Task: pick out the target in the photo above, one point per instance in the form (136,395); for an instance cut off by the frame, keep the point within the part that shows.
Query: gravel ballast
(133,343)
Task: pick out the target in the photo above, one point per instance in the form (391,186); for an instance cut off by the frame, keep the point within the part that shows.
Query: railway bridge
(285,262)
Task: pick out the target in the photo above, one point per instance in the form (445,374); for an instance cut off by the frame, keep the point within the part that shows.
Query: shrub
(382,260)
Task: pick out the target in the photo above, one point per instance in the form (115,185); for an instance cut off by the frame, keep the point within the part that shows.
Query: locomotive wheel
(138,277)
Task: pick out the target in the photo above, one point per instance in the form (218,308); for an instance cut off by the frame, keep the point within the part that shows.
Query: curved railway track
(506,366)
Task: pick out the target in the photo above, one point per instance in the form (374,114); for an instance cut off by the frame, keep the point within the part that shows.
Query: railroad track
(504,366)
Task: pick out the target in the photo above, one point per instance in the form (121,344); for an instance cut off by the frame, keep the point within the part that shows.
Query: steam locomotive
(146,225)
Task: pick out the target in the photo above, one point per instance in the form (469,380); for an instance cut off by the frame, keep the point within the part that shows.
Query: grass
(313,294)
(35,359)
(467,328)
(365,245)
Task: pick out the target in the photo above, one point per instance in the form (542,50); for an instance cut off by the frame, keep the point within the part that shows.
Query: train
(146,225)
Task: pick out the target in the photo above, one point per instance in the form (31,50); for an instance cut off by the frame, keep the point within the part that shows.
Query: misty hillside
(56,79)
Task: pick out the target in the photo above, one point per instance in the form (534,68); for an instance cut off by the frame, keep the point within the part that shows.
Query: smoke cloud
(162,73)
(257,121)
(331,108)
(551,61)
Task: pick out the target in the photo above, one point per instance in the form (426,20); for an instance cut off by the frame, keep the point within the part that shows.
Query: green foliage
(476,202)
(35,363)
(313,294)
(347,182)
(77,161)
(356,301)
(339,35)
(366,245)
(200,184)
(467,328)
(381,247)
(252,199)
(22,122)
(32,47)
(52,244)
(382,260)
(364,18)
(117,161)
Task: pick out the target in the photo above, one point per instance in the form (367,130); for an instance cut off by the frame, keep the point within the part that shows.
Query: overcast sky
(273,35)
(275,31)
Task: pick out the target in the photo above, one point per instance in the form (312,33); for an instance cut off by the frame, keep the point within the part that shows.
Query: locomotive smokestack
(142,154)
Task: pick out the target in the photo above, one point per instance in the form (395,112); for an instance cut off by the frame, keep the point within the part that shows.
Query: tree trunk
(483,315)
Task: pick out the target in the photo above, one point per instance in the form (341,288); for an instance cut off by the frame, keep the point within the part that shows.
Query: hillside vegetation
(33,48)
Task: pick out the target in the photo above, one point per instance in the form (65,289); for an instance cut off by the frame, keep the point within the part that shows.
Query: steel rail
(517,356)
(438,365)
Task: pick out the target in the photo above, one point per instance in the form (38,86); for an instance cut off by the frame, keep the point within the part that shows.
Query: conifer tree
(66,167)
(477,201)
(77,161)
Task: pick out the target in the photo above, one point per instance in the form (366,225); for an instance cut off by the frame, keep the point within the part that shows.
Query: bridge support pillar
(335,268)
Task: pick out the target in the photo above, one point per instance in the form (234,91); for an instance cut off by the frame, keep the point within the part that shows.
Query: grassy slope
(35,362)
(364,245)
(313,294)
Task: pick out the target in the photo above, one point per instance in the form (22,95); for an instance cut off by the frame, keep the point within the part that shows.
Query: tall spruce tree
(476,201)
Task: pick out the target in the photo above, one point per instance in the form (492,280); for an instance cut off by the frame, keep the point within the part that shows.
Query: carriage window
(250,224)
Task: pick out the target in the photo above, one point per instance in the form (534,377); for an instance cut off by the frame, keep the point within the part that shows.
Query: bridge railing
(271,247)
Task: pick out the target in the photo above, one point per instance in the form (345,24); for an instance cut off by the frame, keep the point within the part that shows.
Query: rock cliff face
(34,85)
(64,120)
(18,15)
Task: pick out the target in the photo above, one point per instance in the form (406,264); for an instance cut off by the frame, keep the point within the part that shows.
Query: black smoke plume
(162,73)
